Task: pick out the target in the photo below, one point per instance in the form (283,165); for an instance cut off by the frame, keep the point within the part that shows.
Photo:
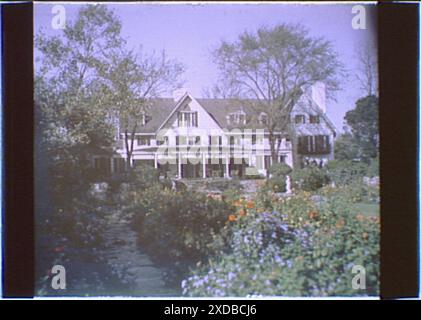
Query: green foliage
(71,107)
(176,228)
(277,180)
(223,184)
(364,123)
(346,148)
(294,252)
(343,172)
(144,176)
(280,170)
(373,168)
(309,178)
(276,184)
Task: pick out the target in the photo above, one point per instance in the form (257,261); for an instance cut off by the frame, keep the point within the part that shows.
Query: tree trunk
(273,150)
(296,158)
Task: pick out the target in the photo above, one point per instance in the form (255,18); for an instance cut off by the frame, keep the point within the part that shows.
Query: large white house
(199,138)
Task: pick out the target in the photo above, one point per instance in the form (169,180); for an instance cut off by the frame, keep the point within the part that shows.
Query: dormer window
(237,117)
(300,119)
(314,119)
(143,141)
(187,119)
(263,118)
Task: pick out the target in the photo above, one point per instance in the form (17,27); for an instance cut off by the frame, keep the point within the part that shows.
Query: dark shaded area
(17,28)
(398,57)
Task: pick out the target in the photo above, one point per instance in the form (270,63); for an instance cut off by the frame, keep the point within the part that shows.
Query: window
(263,118)
(190,140)
(237,118)
(143,141)
(215,140)
(187,119)
(300,119)
(314,119)
(314,144)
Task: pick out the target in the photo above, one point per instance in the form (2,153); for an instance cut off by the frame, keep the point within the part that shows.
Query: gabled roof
(161,110)
(157,113)
(219,109)
(310,105)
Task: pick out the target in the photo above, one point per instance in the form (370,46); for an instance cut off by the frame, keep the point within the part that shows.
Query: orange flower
(340,224)
(313,214)
(360,217)
(232,217)
(242,212)
(250,204)
(237,203)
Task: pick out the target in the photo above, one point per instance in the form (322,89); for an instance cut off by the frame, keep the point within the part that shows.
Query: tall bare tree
(367,69)
(133,79)
(270,68)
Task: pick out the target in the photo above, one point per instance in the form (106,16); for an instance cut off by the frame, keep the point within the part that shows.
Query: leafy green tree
(364,124)
(70,101)
(346,148)
(271,67)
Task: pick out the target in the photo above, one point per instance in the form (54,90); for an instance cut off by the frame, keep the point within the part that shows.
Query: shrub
(373,168)
(280,170)
(276,184)
(310,178)
(144,177)
(224,184)
(271,255)
(231,194)
(176,228)
(277,181)
(343,172)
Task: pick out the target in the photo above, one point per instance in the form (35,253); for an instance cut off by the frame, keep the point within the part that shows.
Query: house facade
(185,137)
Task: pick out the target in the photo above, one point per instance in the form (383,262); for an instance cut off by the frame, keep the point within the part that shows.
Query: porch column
(203,166)
(112,169)
(179,165)
(156,161)
(227,170)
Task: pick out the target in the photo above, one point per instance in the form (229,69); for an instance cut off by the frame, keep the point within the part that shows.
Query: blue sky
(188,33)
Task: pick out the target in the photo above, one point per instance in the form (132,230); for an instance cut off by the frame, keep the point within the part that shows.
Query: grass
(369,209)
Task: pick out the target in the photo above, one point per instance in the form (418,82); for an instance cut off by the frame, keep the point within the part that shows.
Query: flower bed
(301,248)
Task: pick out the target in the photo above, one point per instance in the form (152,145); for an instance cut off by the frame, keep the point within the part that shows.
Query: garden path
(116,266)
(126,260)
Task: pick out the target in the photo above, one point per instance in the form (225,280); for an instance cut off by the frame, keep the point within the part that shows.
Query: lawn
(369,209)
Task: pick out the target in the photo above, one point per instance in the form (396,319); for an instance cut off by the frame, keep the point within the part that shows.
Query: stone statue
(288,184)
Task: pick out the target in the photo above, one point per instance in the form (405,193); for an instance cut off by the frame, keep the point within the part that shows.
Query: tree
(367,70)
(364,124)
(269,69)
(70,101)
(346,148)
(133,80)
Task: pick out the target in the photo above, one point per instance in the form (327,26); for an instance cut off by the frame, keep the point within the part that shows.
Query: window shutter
(195,119)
